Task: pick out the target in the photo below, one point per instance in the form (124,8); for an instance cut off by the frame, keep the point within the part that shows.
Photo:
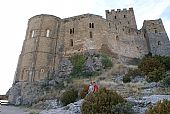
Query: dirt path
(12,110)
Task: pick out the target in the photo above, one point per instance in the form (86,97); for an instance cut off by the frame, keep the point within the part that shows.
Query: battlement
(118,11)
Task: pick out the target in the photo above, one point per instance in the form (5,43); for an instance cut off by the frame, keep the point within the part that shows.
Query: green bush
(84,91)
(126,79)
(154,68)
(122,108)
(166,81)
(101,102)
(160,108)
(78,62)
(68,97)
(106,61)
(156,75)
(149,64)
(131,74)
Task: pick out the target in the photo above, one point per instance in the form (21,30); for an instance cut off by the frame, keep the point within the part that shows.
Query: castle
(48,36)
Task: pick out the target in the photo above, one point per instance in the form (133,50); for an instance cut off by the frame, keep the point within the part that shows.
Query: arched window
(47,33)
(91,25)
(115,17)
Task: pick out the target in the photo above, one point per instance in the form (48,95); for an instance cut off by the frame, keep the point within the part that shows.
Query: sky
(15,15)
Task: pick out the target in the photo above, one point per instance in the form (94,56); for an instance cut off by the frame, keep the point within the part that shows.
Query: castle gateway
(48,37)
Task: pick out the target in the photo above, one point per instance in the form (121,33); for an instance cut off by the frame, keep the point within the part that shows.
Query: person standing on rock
(96,88)
(91,88)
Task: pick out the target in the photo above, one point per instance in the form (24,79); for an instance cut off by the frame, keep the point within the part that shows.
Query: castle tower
(38,52)
(120,19)
(156,37)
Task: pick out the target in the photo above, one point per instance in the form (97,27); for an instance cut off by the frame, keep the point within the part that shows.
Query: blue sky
(15,15)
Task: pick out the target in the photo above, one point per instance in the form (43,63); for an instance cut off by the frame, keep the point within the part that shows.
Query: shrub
(131,74)
(149,64)
(122,108)
(156,75)
(166,81)
(68,97)
(106,61)
(160,108)
(84,91)
(101,102)
(126,79)
(78,61)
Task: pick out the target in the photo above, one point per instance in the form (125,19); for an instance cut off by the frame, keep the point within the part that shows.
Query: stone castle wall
(48,37)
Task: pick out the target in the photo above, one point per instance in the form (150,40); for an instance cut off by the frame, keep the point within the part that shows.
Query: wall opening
(71,42)
(70,31)
(124,16)
(115,17)
(47,33)
(32,33)
(117,37)
(159,43)
(91,35)
(91,25)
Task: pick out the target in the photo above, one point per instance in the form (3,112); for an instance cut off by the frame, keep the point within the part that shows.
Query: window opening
(71,42)
(117,37)
(70,31)
(159,42)
(32,33)
(92,25)
(91,35)
(115,17)
(124,16)
(47,33)
(89,25)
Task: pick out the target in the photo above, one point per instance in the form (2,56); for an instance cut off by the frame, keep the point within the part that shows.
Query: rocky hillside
(137,81)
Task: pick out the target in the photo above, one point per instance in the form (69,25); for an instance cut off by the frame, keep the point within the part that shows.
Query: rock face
(142,104)
(28,93)
(65,67)
(73,108)
(14,93)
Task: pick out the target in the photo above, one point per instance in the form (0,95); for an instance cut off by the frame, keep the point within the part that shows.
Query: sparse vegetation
(131,74)
(84,91)
(166,81)
(69,96)
(78,61)
(106,61)
(160,108)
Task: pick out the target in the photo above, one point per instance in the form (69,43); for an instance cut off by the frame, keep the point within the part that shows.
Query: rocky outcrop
(73,108)
(14,93)
(65,67)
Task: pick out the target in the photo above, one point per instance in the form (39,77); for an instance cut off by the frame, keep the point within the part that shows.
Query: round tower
(38,51)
